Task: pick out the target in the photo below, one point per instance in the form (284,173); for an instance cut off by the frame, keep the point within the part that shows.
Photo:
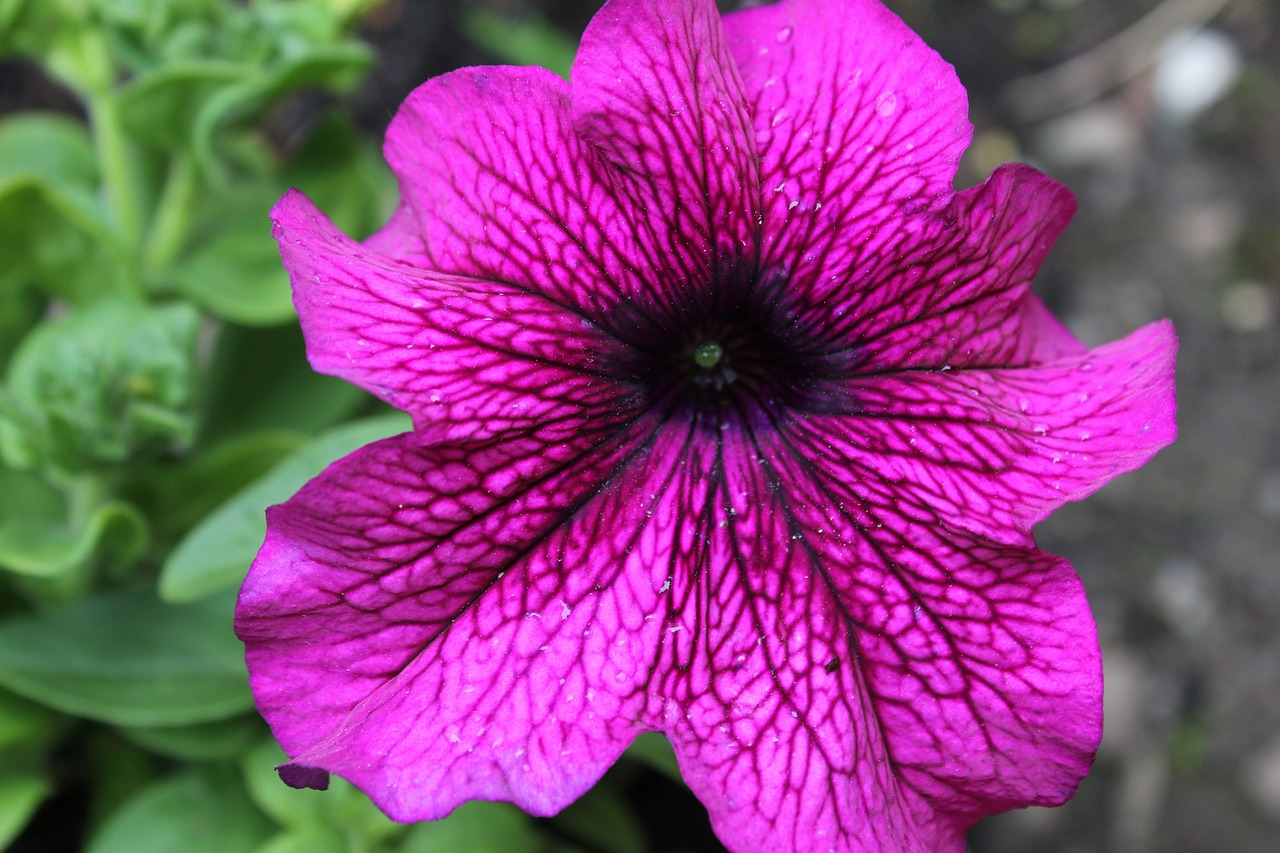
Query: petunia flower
(731,421)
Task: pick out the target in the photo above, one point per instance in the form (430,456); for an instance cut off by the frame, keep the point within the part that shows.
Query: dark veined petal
(495,184)
(858,124)
(465,357)
(976,662)
(993,452)
(655,91)
(952,288)
(782,748)
(837,676)
(860,127)
(461,620)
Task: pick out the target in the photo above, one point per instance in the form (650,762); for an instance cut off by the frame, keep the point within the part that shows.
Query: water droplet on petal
(784,35)
(886,103)
(1087,367)
(1023,404)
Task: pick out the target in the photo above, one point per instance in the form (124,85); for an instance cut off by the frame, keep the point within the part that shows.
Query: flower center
(734,354)
(707,354)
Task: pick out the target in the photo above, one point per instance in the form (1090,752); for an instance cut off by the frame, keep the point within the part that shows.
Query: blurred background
(141,144)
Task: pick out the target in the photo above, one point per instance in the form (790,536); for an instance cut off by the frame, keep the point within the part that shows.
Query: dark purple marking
(301,776)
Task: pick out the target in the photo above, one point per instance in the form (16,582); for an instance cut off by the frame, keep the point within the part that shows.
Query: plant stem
(118,165)
(172,216)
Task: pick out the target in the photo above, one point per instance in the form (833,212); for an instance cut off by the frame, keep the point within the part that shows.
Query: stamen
(708,354)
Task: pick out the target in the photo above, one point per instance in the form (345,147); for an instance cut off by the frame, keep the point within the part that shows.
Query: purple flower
(731,421)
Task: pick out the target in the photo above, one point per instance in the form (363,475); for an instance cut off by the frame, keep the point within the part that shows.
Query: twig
(1081,79)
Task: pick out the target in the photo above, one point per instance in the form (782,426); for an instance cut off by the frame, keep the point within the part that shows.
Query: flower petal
(656,93)
(496,184)
(466,357)
(993,452)
(859,126)
(444,623)
(784,755)
(837,676)
(951,288)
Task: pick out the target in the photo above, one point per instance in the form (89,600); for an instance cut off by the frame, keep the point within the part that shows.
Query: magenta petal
(465,357)
(1042,337)
(952,287)
(983,668)
(993,452)
(496,184)
(412,623)
(836,675)
(656,93)
(859,126)
(956,291)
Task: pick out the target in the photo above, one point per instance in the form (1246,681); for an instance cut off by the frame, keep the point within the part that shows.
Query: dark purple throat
(728,352)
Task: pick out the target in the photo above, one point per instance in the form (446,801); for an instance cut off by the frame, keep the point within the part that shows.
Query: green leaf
(161,106)
(48,254)
(26,730)
(531,41)
(344,173)
(653,749)
(130,659)
(232,266)
(21,305)
(350,10)
(38,537)
(201,812)
(22,790)
(24,725)
(200,742)
(236,273)
(245,397)
(602,820)
(216,554)
(63,36)
(53,153)
(111,380)
(175,495)
(119,771)
(476,827)
(335,67)
(311,839)
(54,232)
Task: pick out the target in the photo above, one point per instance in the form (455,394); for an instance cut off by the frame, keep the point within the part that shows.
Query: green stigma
(708,354)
